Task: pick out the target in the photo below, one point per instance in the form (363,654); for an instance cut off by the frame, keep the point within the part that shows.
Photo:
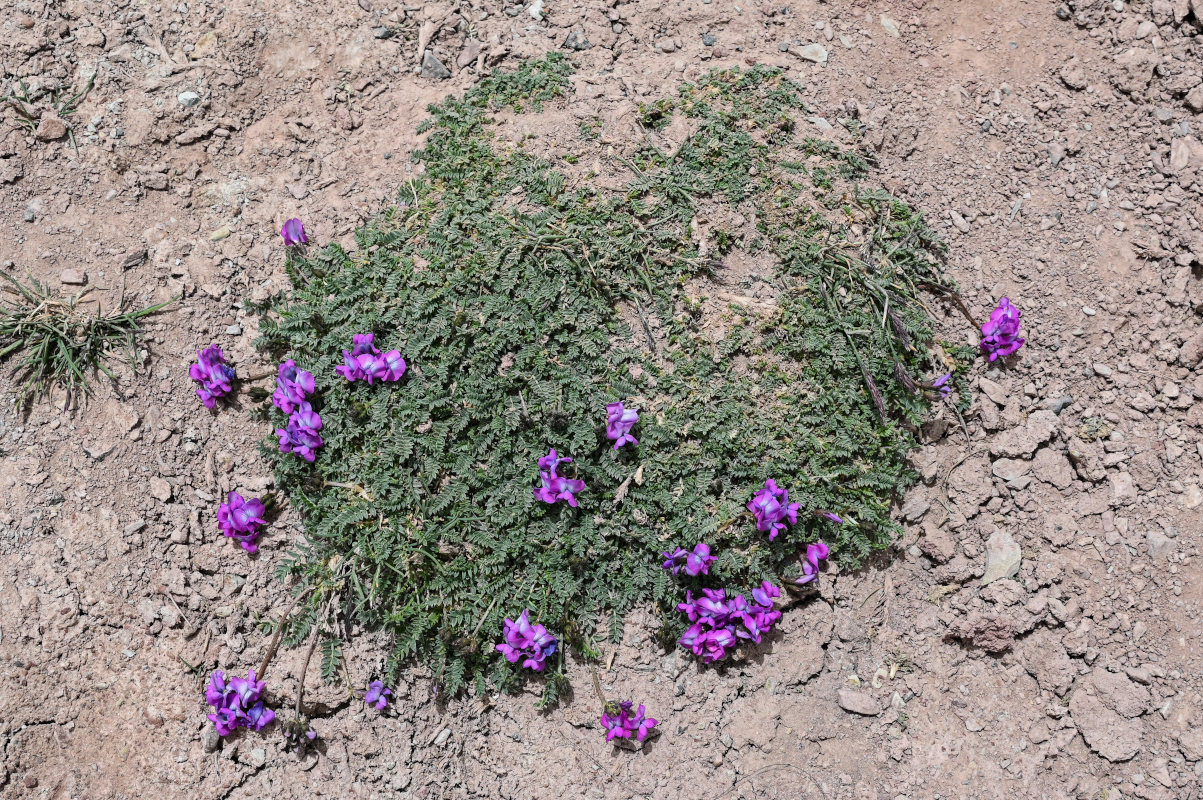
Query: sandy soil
(1056,147)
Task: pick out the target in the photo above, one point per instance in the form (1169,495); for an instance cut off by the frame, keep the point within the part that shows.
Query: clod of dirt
(989,632)
(1108,734)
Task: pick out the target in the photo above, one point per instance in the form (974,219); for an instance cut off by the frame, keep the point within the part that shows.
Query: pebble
(815,53)
(50,128)
(188,99)
(708,39)
(857,703)
(1002,557)
(221,233)
(73,277)
(1102,370)
(1059,404)
(31,781)
(433,68)
(890,25)
(234,330)
(576,41)
(535,10)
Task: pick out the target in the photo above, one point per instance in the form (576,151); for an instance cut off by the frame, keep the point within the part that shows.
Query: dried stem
(275,642)
(317,629)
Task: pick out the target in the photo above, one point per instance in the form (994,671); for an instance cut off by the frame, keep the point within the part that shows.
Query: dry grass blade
(58,343)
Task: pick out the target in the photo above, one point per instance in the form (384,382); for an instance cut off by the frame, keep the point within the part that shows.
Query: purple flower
(240,519)
(620,723)
(293,233)
(941,384)
(377,695)
(213,374)
(531,643)
(696,563)
(619,422)
(393,365)
(292,387)
(301,436)
(831,515)
(810,567)
(363,362)
(772,509)
(719,623)
(1000,336)
(237,703)
(555,487)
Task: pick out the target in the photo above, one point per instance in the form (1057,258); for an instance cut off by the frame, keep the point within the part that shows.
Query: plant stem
(317,629)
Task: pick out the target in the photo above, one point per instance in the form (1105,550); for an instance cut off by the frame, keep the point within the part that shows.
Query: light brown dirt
(1059,156)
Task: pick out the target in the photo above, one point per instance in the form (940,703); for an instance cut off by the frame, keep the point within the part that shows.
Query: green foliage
(524,306)
(60,343)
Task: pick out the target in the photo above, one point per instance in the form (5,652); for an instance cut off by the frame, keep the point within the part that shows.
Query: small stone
(1002,557)
(1102,370)
(50,128)
(857,703)
(433,68)
(382,33)
(1059,404)
(815,53)
(31,781)
(160,489)
(535,10)
(258,757)
(298,191)
(221,233)
(708,39)
(155,180)
(73,277)
(234,330)
(667,46)
(1123,489)
(890,25)
(576,41)
(1194,98)
(188,99)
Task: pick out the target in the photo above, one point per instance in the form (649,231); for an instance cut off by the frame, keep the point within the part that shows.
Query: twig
(317,629)
(275,642)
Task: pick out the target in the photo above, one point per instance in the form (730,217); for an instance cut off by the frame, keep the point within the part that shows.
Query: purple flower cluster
(621,723)
(719,623)
(213,374)
(240,519)
(1000,336)
(555,487)
(237,703)
(810,567)
(377,695)
(619,422)
(772,509)
(531,643)
(941,384)
(364,362)
(696,563)
(293,385)
(293,233)
(301,435)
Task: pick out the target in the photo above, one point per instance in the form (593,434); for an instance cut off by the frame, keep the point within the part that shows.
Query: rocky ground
(1035,634)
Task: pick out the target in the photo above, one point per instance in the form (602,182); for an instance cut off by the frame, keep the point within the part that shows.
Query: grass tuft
(58,343)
